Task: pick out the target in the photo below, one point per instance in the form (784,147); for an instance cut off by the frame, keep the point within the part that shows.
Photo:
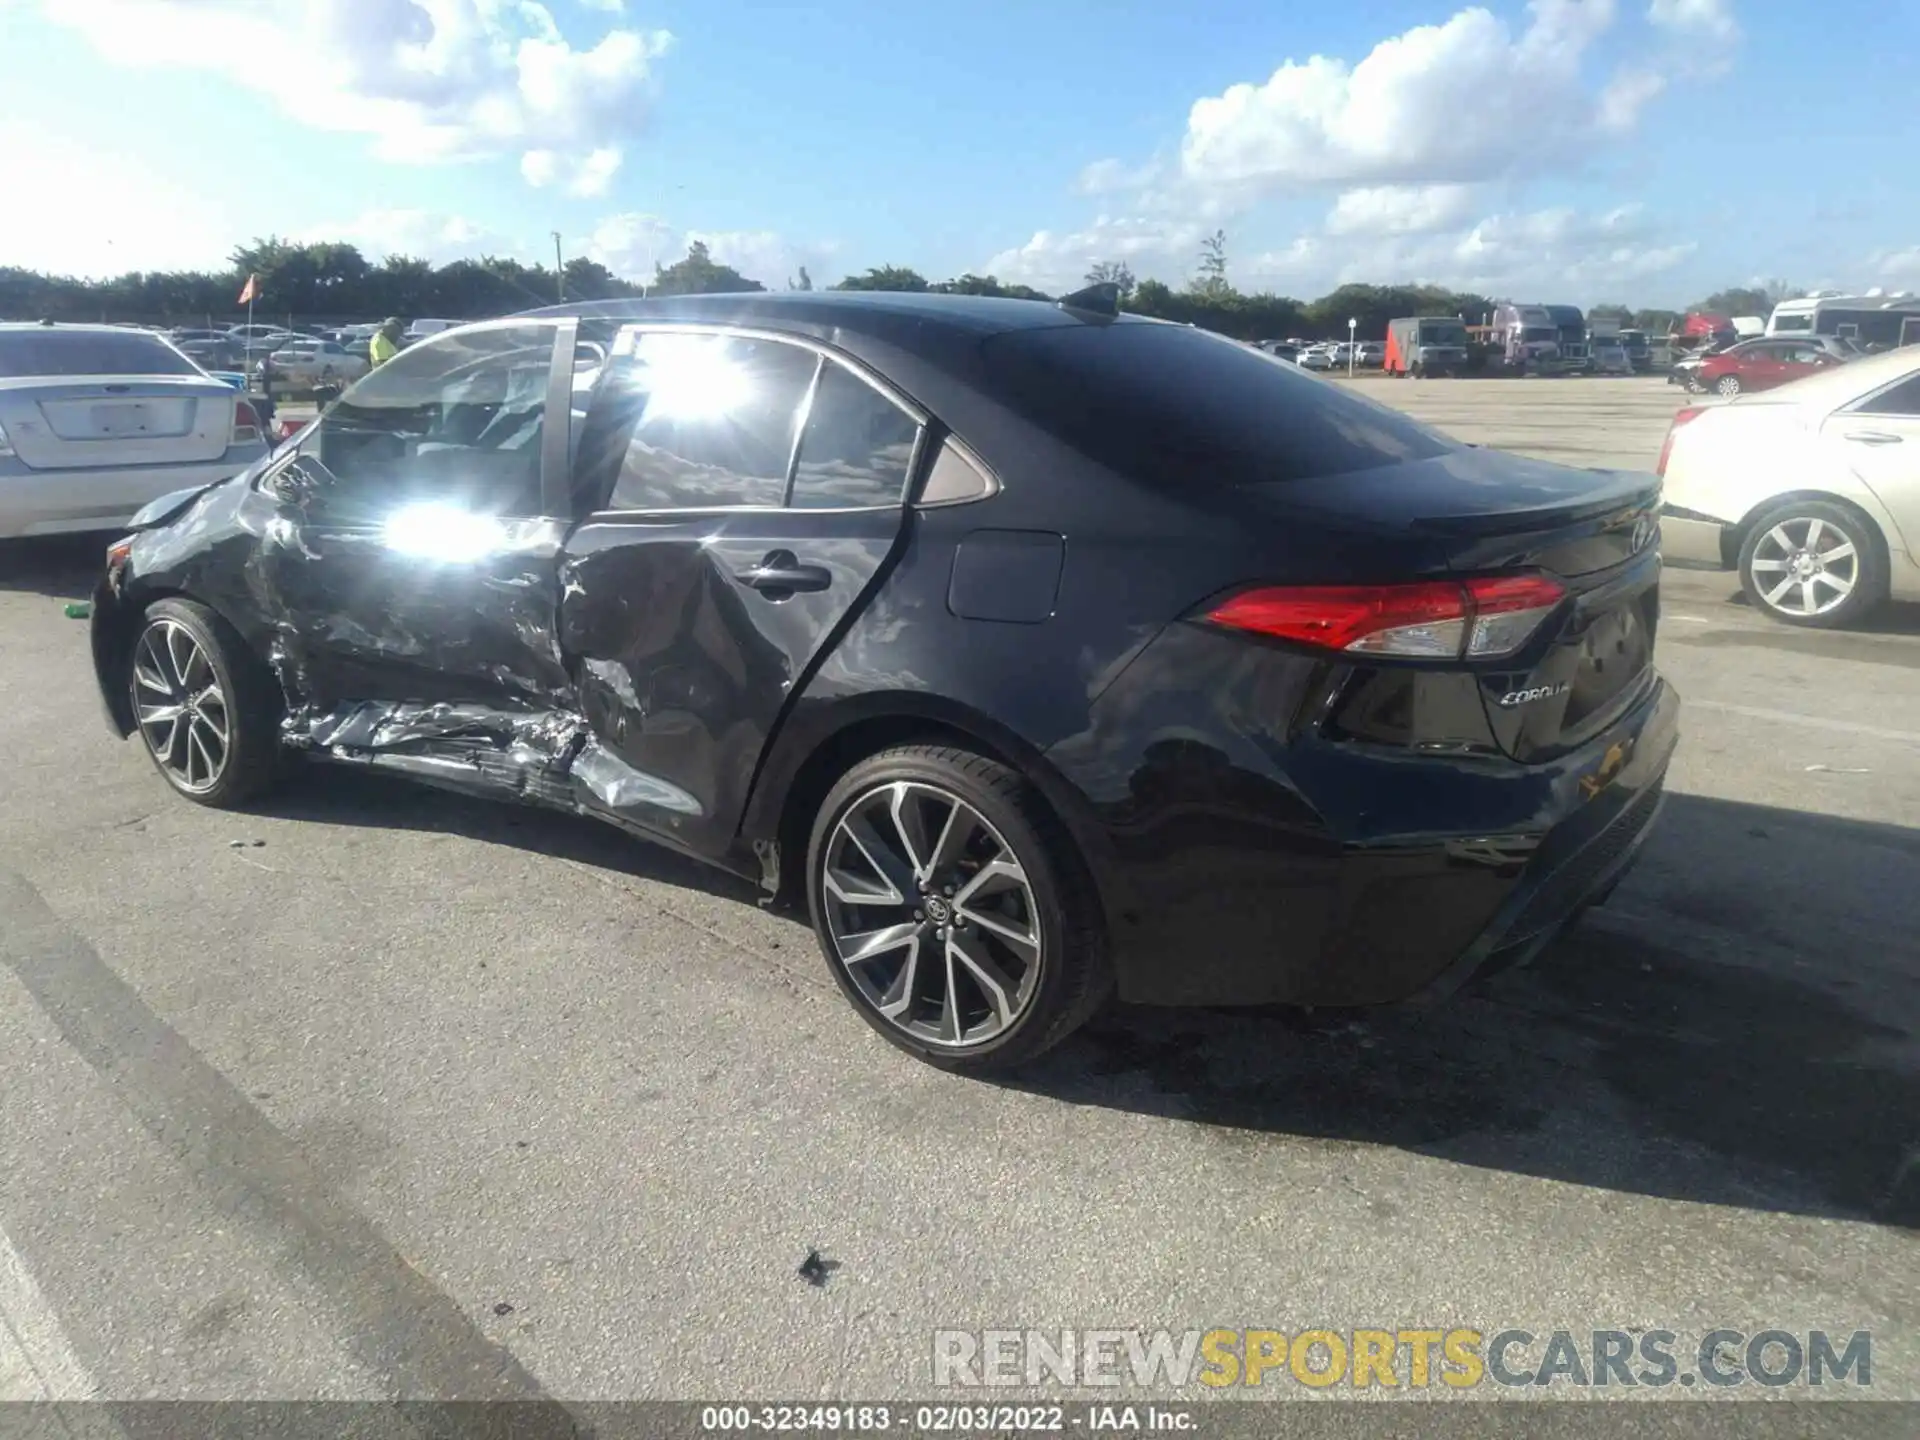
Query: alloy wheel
(1728,385)
(1805,566)
(180,707)
(931,914)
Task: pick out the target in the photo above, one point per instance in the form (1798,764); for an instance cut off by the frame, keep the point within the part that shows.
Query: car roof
(894,317)
(80,328)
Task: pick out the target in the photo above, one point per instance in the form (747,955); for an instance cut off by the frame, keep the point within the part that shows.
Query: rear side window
(702,421)
(1902,399)
(88,352)
(1182,407)
(857,447)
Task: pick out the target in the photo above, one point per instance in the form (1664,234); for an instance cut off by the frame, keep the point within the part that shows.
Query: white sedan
(96,420)
(1810,491)
(303,362)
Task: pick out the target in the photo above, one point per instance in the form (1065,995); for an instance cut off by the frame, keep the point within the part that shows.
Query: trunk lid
(1485,512)
(106,422)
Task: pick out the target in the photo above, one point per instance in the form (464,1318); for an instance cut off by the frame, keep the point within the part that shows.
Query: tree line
(334,282)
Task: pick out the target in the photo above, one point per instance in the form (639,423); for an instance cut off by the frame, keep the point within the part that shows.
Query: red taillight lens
(246,424)
(1683,417)
(1432,620)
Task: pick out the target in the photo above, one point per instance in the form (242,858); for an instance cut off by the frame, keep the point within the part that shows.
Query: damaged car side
(1043,651)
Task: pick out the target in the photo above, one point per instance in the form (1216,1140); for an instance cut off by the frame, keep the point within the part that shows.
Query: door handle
(781,573)
(1873,437)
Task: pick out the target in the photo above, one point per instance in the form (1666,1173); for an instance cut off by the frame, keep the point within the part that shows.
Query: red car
(1763,364)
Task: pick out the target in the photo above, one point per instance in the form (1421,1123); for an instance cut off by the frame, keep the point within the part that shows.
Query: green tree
(971,284)
(886,277)
(1211,281)
(1749,299)
(701,274)
(1113,272)
(1621,313)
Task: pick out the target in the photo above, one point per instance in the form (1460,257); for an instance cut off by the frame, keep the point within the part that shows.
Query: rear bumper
(57,502)
(1693,539)
(1245,896)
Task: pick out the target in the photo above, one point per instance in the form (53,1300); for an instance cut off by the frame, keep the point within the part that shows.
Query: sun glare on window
(692,378)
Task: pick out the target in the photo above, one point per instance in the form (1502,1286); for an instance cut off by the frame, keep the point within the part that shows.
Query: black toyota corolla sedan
(1040,651)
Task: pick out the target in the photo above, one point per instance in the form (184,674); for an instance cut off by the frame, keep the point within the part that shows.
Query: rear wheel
(954,911)
(206,709)
(1727,385)
(1813,563)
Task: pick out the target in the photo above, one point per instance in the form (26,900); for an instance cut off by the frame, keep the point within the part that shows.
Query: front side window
(699,421)
(856,449)
(458,419)
(1789,323)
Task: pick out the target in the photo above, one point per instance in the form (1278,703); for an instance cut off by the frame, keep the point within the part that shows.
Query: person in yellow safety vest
(385,343)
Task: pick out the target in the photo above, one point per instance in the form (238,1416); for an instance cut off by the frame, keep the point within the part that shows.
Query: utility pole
(559,269)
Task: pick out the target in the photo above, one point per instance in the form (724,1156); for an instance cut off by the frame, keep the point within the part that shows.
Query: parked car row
(1730,369)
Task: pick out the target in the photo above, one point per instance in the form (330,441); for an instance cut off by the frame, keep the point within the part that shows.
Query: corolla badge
(1537,692)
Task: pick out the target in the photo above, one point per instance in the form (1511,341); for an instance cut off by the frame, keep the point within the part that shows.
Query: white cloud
(426,235)
(1626,95)
(1401,209)
(1463,101)
(1896,264)
(587,177)
(1696,19)
(631,244)
(1104,177)
(79,210)
(1054,260)
(427,80)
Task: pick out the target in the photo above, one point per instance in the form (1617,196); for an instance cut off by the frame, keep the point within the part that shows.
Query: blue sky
(1642,150)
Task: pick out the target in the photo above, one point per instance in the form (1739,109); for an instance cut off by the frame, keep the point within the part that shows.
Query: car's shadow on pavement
(62,565)
(1740,1026)
(342,795)
(1681,1043)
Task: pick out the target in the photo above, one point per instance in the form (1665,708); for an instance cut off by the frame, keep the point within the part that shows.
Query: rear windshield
(87,352)
(1176,405)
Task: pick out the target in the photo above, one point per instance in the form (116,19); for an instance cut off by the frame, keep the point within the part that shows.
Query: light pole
(559,269)
(1352,326)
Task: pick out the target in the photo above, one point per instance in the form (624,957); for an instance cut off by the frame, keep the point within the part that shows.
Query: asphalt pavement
(378,1092)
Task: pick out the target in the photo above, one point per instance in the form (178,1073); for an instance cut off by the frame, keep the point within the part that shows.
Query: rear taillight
(246,424)
(1683,417)
(1478,619)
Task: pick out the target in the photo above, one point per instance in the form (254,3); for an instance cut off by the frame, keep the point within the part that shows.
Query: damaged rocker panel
(550,758)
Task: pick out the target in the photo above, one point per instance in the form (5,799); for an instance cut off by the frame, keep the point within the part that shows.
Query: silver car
(96,420)
(304,362)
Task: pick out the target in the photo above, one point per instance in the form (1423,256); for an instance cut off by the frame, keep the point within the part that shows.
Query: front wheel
(953,909)
(1813,563)
(206,708)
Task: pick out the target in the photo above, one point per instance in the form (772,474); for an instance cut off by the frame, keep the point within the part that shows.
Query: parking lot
(382,1092)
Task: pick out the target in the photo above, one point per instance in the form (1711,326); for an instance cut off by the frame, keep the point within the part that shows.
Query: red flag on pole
(252,290)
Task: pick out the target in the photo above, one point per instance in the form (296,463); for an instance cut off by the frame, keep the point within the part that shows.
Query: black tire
(251,705)
(1693,385)
(1727,385)
(1869,575)
(1074,972)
